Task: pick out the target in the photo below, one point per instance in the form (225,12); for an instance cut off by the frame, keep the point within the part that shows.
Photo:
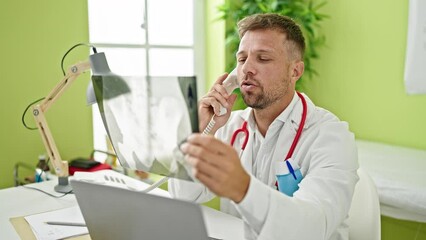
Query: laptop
(117,213)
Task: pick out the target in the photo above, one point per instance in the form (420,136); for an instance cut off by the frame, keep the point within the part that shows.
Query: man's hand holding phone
(218,101)
(215,163)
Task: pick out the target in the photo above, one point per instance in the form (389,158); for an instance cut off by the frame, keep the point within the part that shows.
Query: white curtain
(415,61)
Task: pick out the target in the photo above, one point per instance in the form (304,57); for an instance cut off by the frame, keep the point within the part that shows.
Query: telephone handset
(230,83)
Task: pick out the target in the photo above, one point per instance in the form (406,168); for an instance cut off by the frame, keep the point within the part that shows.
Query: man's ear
(297,69)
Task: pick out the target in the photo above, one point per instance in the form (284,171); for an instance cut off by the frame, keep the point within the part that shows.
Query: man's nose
(249,67)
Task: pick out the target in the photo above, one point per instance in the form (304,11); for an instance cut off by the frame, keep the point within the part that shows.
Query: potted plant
(304,12)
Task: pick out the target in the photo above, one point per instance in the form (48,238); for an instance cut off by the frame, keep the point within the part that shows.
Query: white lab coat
(327,156)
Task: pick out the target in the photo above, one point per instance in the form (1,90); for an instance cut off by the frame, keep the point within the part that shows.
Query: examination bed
(400,177)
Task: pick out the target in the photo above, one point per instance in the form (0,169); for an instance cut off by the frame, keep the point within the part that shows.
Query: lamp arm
(60,166)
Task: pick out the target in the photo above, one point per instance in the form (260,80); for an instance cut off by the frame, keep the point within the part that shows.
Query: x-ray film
(147,118)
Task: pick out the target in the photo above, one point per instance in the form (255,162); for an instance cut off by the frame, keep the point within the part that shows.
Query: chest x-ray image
(146,119)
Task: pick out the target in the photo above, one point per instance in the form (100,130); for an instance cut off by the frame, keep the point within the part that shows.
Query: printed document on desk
(44,231)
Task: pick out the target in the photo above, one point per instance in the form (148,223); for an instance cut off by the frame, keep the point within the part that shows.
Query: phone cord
(155,185)
(210,126)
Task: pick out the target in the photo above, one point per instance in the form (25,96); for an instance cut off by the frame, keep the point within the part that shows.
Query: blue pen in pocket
(288,176)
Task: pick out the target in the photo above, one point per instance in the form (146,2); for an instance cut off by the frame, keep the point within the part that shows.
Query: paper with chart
(44,231)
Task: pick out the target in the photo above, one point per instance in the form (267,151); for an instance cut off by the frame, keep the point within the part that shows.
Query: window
(147,37)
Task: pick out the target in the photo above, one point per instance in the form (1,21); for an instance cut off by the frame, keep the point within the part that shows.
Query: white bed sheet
(400,177)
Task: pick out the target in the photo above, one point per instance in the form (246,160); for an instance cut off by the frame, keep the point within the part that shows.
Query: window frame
(198,47)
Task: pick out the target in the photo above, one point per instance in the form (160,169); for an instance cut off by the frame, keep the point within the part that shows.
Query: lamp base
(63,185)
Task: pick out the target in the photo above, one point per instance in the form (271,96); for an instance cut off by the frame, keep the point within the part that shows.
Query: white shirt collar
(283,117)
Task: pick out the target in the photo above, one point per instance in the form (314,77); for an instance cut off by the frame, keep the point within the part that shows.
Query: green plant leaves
(304,12)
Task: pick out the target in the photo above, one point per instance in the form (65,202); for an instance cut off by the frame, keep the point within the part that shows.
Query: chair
(364,214)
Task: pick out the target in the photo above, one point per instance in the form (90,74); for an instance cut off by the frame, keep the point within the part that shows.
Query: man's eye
(264,59)
(241,60)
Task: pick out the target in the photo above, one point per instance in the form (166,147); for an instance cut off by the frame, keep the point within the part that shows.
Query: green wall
(34,37)
(362,81)
(215,42)
(362,72)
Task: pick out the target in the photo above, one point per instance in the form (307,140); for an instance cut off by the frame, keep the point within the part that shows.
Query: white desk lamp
(98,64)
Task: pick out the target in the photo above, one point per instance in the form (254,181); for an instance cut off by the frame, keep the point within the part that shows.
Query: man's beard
(264,100)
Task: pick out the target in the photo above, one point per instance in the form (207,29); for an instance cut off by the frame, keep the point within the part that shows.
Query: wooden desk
(19,202)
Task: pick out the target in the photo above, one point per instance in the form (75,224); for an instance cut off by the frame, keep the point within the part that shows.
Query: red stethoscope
(245,131)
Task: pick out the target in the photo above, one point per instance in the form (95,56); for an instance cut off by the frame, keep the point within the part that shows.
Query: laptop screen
(119,213)
(146,118)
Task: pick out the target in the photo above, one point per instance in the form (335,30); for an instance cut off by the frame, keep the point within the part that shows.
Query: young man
(313,194)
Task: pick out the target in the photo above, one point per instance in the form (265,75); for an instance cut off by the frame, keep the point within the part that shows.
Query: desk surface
(20,201)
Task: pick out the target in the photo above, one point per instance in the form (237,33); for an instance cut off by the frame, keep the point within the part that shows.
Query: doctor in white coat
(316,179)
